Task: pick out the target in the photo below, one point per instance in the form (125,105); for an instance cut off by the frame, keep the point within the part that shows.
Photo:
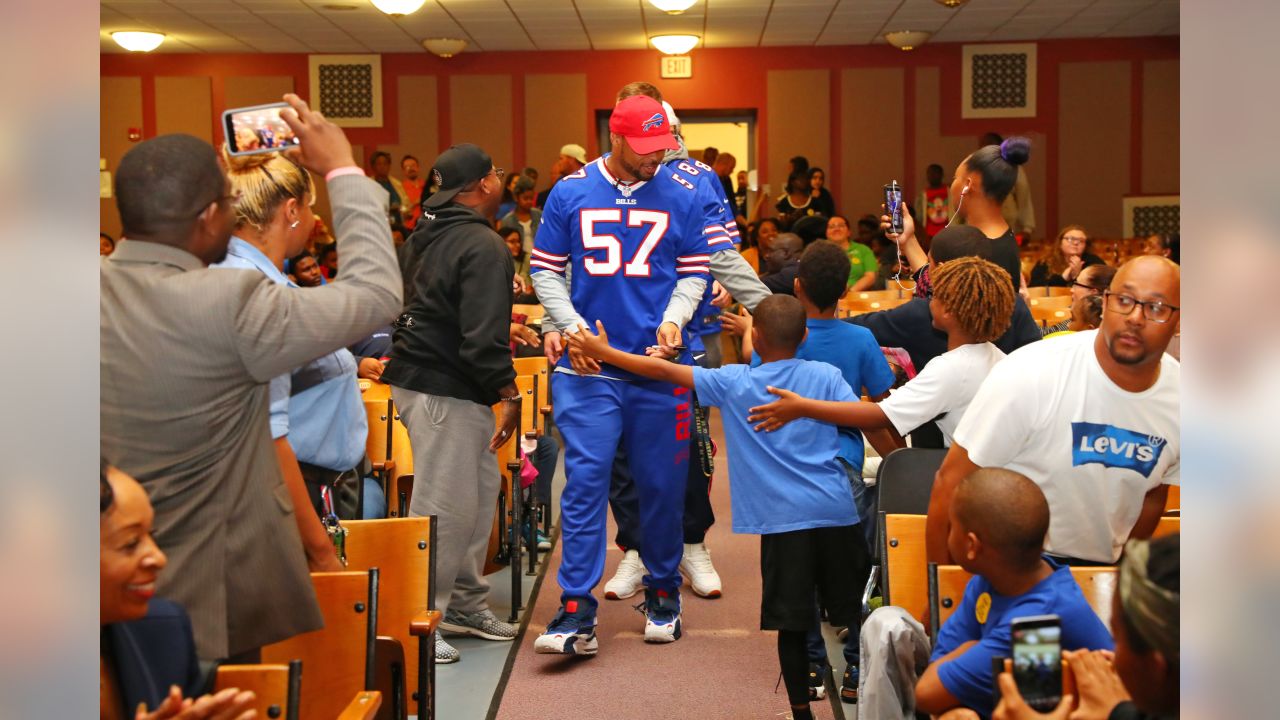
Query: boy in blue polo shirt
(789,486)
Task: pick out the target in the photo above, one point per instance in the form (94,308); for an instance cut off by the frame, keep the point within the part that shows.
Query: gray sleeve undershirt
(735,274)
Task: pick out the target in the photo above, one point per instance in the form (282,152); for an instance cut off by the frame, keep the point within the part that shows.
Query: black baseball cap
(456,168)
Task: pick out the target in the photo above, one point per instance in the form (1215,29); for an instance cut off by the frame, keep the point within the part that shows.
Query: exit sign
(677,66)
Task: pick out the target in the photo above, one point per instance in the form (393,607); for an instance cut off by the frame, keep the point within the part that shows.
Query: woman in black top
(981,183)
(796,203)
(1064,259)
(819,196)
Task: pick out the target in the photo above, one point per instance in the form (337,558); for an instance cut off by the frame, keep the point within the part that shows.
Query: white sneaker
(628,579)
(696,566)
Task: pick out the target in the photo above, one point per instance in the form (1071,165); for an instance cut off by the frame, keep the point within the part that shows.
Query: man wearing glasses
(1092,418)
(448,367)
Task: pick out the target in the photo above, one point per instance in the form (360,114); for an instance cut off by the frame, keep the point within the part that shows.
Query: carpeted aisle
(723,667)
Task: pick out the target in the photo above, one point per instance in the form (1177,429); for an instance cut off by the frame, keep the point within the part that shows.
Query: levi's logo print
(1115,447)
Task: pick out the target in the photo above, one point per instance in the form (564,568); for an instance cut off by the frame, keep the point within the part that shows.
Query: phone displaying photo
(1037,660)
(257,129)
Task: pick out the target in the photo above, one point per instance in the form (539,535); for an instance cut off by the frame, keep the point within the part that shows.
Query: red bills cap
(642,122)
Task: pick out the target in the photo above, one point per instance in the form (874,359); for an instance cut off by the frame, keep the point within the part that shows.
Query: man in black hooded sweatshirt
(450,363)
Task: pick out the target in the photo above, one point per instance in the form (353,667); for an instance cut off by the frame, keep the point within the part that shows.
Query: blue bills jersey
(627,246)
(724,235)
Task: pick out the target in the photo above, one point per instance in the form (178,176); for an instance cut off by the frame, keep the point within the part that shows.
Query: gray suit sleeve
(279,327)
(553,292)
(735,274)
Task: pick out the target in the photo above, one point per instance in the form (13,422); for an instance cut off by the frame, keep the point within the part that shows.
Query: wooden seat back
(276,686)
(401,550)
(363,707)
(337,657)
(904,570)
(1173,503)
(531,312)
(1168,525)
(1047,316)
(1056,302)
(947,584)
(1044,291)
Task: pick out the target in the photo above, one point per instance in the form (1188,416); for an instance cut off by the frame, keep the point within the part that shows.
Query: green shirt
(861,261)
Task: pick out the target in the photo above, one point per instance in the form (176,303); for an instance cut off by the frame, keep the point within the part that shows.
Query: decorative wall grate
(999,81)
(348,89)
(1151,215)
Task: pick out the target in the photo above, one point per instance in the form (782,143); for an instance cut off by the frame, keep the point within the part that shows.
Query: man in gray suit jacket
(186,356)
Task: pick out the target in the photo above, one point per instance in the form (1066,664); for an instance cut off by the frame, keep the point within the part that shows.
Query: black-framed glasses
(1154,311)
(1090,288)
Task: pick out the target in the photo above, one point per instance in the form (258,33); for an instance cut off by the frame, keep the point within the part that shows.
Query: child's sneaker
(662,616)
(849,686)
(628,579)
(818,675)
(571,632)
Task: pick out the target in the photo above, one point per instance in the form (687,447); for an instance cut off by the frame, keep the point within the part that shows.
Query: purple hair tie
(1002,147)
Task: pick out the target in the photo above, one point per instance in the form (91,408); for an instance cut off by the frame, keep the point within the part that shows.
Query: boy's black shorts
(831,560)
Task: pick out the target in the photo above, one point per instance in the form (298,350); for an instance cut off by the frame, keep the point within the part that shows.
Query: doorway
(732,131)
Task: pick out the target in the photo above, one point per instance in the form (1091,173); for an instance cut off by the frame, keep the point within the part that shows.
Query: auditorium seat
(338,657)
(363,707)
(947,584)
(1168,525)
(276,686)
(904,571)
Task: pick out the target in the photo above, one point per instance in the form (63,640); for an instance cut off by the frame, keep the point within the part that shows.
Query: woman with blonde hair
(1063,260)
(317,419)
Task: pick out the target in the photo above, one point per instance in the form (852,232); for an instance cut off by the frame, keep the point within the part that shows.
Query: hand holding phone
(322,146)
(257,129)
(1037,660)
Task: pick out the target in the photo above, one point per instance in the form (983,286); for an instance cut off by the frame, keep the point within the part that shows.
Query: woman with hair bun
(981,183)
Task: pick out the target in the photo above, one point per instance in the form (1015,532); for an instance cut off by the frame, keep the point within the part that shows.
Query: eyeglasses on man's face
(1154,311)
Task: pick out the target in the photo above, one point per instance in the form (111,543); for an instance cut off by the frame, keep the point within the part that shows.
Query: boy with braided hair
(972,303)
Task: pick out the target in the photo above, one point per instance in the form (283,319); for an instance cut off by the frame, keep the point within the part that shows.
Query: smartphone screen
(1037,660)
(257,129)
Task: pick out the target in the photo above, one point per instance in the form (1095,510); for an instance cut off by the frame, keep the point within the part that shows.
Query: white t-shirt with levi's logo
(1048,411)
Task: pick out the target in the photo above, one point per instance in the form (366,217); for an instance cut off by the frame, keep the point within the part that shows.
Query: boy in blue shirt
(788,486)
(851,349)
(999,519)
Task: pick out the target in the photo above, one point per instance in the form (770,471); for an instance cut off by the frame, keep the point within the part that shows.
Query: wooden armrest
(545,409)
(384,466)
(533,434)
(424,622)
(363,707)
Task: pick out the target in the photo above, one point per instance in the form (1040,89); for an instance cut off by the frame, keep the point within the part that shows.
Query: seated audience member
(974,302)
(758,239)
(514,239)
(1086,314)
(796,202)
(820,197)
(523,215)
(106,244)
(1092,418)
(148,654)
(1064,260)
(1163,246)
(1091,282)
(787,487)
(305,271)
(862,261)
(782,263)
(327,256)
(508,197)
(1140,680)
(998,523)
(854,352)
(910,326)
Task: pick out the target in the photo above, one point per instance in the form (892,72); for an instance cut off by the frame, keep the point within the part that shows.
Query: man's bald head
(1006,511)
(782,249)
(1130,338)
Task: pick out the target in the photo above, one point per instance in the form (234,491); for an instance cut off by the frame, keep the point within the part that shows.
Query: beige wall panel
(555,114)
(798,118)
(931,145)
(120,109)
(419,122)
(184,105)
(257,90)
(1093,147)
(872,104)
(480,113)
(1160,100)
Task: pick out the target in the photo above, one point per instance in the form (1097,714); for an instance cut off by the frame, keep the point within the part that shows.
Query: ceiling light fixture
(951,3)
(138,41)
(672,7)
(906,39)
(444,47)
(674,44)
(397,8)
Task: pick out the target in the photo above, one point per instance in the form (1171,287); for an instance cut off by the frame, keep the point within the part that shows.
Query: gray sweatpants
(895,652)
(456,479)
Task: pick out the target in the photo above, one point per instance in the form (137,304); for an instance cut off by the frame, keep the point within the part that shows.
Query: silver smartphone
(257,129)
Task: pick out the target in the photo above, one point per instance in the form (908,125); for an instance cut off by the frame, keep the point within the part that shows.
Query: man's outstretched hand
(588,343)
